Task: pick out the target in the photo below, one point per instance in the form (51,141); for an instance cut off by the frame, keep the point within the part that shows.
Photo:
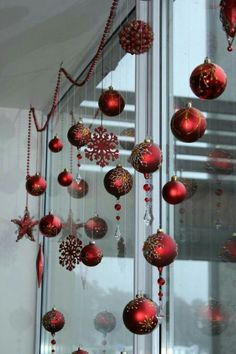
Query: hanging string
(28,152)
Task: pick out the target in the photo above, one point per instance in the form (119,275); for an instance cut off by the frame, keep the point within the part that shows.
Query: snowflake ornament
(102,147)
(70,250)
(25,226)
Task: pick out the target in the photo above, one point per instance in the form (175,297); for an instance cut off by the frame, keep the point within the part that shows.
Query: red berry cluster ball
(136,37)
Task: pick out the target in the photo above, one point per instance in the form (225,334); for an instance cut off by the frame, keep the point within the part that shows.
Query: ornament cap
(80,121)
(119,165)
(92,242)
(148,140)
(207,60)
(65,170)
(160,230)
(110,88)
(189,105)
(174,178)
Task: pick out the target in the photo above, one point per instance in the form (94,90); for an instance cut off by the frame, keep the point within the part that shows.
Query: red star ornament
(25,226)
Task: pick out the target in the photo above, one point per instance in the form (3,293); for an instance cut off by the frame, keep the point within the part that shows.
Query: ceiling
(36,36)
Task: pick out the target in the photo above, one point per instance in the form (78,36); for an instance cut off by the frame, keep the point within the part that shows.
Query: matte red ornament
(55,144)
(136,37)
(111,103)
(70,250)
(79,135)
(228,19)
(25,226)
(78,188)
(220,161)
(160,249)
(91,255)
(80,351)
(35,185)
(105,322)
(118,181)
(174,191)
(65,178)
(140,315)
(40,265)
(50,225)
(130,134)
(53,321)
(146,157)
(208,80)
(188,124)
(95,228)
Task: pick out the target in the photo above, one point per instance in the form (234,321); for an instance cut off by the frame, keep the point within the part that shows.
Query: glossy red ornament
(160,249)
(50,225)
(130,134)
(174,191)
(65,178)
(40,265)
(78,188)
(228,19)
(111,103)
(55,144)
(53,321)
(91,255)
(140,315)
(118,181)
(80,351)
(95,228)
(208,80)
(220,161)
(105,322)
(35,185)
(79,135)
(136,37)
(188,124)
(146,157)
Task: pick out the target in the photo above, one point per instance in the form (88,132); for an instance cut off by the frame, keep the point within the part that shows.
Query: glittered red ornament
(136,37)
(118,181)
(160,249)
(174,191)
(25,226)
(188,124)
(40,265)
(50,225)
(79,135)
(105,322)
(55,144)
(228,19)
(91,255)
(130,134)
(219,161)
(95,228)
(208,80)
(140,315)
(111,103)
(35,185)
(78,188)
(65,178)
(53,321)
(80,351)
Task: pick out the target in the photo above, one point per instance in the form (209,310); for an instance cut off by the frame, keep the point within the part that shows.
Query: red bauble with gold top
(78,189)
(55,144)
(208,80)
(118,181)
(111,103)
(228,19)
(140,315)
(91,255)
(146,157)
(160,249)
(80,351)
(50,225)
(188,124)
(35,185)
(174,191)
(53,321)
(95,228)
(79,135)
(65,178)
(105,322)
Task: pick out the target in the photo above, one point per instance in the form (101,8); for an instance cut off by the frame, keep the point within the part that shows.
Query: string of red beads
(160,282)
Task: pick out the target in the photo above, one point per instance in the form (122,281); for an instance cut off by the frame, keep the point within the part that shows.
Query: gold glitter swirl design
(150,247)
(186,114)
(148,324)
(125,177)
(136,157)
(53,321)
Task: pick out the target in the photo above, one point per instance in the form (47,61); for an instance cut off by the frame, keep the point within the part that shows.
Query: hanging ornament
(35,185)
(65,178)
(40,265)
(136,37)
(104,322)
(55,144)
(118,181)
(229,249)
(228,19)
(25,226)
(174,191)
(208,80)
(140,315)
(127,140)
(188,124)
(219,162)
(70,250)
(80,351)
(50,225)
(218,193)
(91,255)
(95,228)
(53,321)
(190,185)
(111,103)
(78,188)
(70,227)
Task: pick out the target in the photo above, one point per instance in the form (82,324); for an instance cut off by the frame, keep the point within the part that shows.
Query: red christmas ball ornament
(79,135)
(53,321)
(229,249)
(188,124)
(160,249)
(208,80)
(146,157)
(105,322)
(35,185)
(78,188)
(65,178)
(118,181)
(91,255)
(174,191)
(228,19)
(95,228)
(111,103)
(219,161)
(50,225)
(55,144)
(130,134)
(140,315)
(136,37)
(80,351)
